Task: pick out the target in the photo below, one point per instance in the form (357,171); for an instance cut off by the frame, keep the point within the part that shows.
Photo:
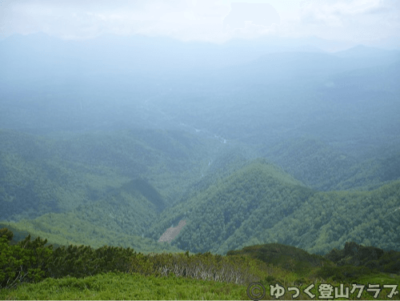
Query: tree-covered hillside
(321,166)
(39,175)
(127,188)
(261,204)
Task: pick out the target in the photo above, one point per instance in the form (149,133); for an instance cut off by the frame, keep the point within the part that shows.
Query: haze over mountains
(113,140)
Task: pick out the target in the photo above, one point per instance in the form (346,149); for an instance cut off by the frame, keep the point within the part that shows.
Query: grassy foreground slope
(119,286)
(127,287)
(35,270)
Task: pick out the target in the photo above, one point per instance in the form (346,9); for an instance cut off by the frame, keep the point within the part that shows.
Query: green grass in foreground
(124,286)
(117,286)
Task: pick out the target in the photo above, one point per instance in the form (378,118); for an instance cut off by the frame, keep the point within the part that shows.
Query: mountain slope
(92,182)
(39,175)
(328,219)
(225,215)
(323,167)
(261,204)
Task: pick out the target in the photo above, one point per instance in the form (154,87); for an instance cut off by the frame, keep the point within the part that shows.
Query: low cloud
(362,20)
(261,14)
(359,21)
(86,19)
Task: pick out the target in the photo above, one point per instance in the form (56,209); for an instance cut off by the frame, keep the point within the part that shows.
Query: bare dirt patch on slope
(172,232)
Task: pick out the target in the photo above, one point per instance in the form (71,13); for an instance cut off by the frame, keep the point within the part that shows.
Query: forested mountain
(323,167)
(260,204)
(248,145)
(227,203)
(42,175)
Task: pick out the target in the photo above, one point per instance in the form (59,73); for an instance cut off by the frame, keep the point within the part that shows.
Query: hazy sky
(360,21)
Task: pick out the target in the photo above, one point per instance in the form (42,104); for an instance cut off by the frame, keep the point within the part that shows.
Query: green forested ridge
(216,216)
(87,190)
(35,182)
(286,257)
(120,219)
(260,204)
(312,161)
(142,187)
(322,167)
(371,257)
(126,188)
(329,219)
(41,175)
(352,262)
